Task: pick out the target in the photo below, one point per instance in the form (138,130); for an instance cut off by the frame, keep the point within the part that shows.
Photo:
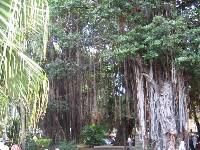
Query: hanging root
(163,96)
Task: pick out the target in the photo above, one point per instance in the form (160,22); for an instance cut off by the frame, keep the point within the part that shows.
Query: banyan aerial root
(161,106)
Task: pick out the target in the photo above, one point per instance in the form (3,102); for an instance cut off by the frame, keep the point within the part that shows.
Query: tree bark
(196,121)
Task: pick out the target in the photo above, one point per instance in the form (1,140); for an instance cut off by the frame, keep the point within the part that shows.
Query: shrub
(93,135)
(43,143)
(30,143)
(65,145)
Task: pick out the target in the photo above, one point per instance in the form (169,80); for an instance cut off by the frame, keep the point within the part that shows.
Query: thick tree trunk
(124,130)
(121,134)
(160,100)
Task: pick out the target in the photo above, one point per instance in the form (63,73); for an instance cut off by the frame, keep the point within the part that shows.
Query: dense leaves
(93,135)
(94,44)
(23,34)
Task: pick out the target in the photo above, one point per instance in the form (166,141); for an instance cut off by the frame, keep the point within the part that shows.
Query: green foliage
(162,37)
(1,129)
(81,24)
(65,145)
(56,69)
(59,69)
(34,143)
(151,41)
(13,130)
(93,135)
(3,110)
(43,143)
(30,143)
(21,78)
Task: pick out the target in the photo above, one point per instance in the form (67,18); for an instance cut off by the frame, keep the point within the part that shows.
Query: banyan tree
(154,59)
(74,79)
(123,62)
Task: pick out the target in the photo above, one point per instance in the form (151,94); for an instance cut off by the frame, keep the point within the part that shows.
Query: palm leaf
(22,81)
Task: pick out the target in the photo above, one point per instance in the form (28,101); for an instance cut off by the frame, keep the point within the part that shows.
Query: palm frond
(23,22)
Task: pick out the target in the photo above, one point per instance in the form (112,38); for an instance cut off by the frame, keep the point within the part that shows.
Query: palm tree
(23,83)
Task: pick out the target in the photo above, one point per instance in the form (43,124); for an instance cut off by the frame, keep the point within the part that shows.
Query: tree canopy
(122,63)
